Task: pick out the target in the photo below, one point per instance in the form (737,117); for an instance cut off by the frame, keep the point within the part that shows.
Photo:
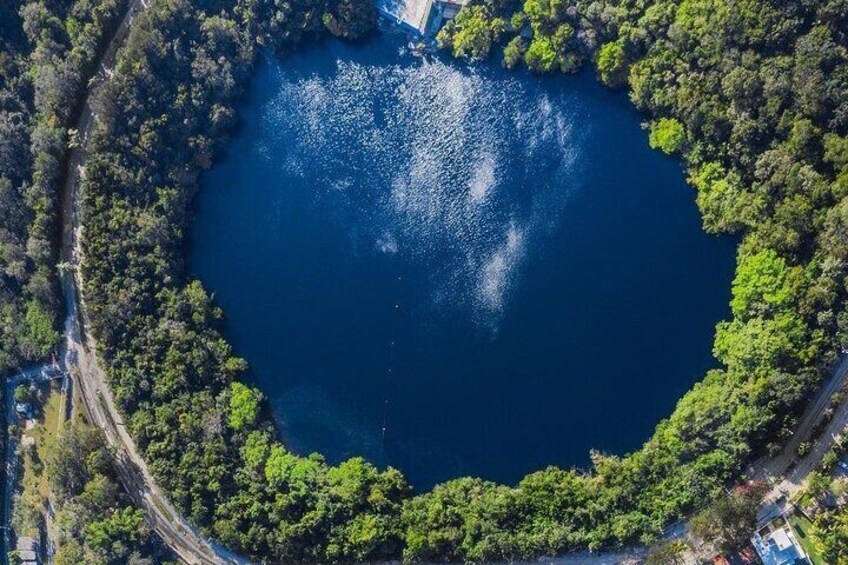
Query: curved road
(81,359)
(83,364)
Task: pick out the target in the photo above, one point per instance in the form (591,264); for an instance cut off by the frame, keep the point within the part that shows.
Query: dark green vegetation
(830,535)
(827,536)
(729,522)
(204,436)
(751,94)
(96,521)
(47,49)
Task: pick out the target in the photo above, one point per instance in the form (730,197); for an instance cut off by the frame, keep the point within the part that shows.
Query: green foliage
(817,484)
(74,460)
(518,21)
(764,285)
(728,522)
(243,406)
(514,52)
(472,33)
(612,64)
(747,93)
(725,205)
(47,52)
(21,393)
(540,57)
(40,337)
(351,19)
(830,533)
(667,553)
(836,151)
(115,535)
(461,520)
(667,135)
(94,519)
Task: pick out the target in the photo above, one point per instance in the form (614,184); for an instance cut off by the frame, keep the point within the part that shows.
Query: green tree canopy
(243,406)
(668,135)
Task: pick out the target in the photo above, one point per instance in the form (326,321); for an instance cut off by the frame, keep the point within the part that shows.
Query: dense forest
(205,436)
(830,532)
(47,48)
(751,95)
(95,520)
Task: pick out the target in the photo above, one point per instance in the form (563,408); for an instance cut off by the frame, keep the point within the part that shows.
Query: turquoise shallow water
(455,270)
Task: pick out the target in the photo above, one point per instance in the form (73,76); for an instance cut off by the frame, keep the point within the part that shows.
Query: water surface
(456,270)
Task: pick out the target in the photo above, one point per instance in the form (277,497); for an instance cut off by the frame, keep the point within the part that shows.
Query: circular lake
(455,269)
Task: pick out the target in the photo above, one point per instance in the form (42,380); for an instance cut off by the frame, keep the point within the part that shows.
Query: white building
(423,17)
(27,550)
(776,544)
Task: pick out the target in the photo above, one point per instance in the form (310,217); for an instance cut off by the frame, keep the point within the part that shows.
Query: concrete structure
(777,545)
(27,551)
(423,17)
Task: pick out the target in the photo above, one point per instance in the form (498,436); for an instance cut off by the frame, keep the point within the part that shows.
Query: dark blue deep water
(492,266)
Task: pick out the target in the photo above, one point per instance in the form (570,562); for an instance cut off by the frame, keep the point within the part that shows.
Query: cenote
(453,269)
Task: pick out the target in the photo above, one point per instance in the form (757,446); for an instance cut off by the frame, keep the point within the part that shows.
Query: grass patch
(46,431)
(801,527)
(29,505)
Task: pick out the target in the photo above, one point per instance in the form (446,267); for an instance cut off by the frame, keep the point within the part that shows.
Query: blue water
(455,270)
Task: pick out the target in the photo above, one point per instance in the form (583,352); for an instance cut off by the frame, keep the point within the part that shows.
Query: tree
(667,553)
(471,33)
(68,460)
(514,52)
(114,536)
(461,520)
(724,203)
(817,485)
(830,532)
(729,522)
(243,406)
(764,285)
(40,337)
(612,64)
(351,19)
(21,393)
(668,135)
(540,56)
(69,553)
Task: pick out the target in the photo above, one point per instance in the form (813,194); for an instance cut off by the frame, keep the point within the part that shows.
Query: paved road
(785,474)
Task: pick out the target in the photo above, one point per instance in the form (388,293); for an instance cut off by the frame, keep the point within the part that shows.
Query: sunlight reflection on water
(432,149)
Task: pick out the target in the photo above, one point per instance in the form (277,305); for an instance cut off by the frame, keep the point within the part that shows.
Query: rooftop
(776,545)
(416,15)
